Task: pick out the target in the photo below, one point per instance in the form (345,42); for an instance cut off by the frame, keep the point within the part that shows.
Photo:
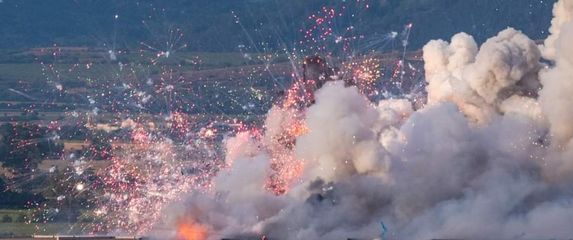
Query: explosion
(343,154)
(488,155)
(191,231)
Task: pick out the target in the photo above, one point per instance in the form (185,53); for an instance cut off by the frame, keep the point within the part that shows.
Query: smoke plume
(490,154)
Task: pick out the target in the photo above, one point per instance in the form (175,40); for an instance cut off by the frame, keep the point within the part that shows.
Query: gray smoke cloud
(490,155)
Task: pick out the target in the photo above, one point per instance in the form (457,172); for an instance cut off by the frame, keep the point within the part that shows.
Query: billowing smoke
(490,155)
(479,82)
(342,140)
(562,15)
(556,95)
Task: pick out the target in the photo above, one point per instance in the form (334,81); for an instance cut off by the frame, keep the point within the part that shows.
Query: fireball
(189,230)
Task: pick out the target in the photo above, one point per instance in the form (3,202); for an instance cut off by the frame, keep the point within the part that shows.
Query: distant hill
(211,25)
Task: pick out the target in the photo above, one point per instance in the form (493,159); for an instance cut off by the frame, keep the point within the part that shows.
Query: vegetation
(15,216)
(23,146)
(211,26)
(15,200)
(24,229)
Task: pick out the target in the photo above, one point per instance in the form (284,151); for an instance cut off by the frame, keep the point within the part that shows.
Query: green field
(9,215)
(69,68)
(29,72)
(14,222)
(23,229)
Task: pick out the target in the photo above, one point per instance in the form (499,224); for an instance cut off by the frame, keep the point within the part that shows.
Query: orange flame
(188,230)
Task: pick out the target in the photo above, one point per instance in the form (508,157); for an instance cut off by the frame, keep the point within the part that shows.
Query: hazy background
(209,25)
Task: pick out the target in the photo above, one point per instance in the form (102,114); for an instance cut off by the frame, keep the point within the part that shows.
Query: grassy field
(30,72)
(17,225)
(9,215)
(23,229)
(68,70)
(24,71)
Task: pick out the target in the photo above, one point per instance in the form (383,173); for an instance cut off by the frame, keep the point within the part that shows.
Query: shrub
(6,219)
(21,218)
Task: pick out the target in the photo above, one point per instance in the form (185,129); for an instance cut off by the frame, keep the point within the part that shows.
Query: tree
(23,146)
(6,219)
(16,200)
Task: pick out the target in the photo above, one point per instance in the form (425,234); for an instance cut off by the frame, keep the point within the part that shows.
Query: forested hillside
(223,25)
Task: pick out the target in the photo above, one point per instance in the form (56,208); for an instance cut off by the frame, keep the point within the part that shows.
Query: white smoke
(479,81)
(489,155)
(555,97)
(341,141)
(562,14)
